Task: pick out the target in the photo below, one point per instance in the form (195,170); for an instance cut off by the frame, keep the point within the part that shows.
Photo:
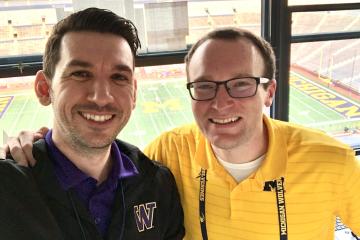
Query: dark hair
(231,34)
(90,19)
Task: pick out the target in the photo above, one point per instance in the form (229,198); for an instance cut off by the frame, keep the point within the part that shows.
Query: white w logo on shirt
(144,215)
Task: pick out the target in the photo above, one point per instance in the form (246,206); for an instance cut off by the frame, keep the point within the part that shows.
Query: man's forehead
(87,39)
(222,51)
(242,45)
(109,47)
(236,57)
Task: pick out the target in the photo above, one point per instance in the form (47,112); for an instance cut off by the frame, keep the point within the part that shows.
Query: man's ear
(42,88)
(270,91)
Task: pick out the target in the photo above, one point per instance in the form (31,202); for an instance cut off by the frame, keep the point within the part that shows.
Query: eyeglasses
(236,88)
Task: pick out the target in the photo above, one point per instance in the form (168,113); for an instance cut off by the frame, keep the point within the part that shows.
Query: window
(325,76)
(164,26)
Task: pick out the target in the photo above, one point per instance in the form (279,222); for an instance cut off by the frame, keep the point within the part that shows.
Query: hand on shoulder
(20,147)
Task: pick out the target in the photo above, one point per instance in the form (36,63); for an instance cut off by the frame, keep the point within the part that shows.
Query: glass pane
(19,107)
(204,16)
(162,25)
(325,21)
(311,2)
(162,103)
(325,87)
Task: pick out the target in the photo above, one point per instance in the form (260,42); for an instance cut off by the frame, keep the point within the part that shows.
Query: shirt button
(97,220)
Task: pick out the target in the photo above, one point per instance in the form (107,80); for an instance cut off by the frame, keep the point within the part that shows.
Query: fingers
(3,150)
(21,147)
(41,133)
(26,140)
(16,151)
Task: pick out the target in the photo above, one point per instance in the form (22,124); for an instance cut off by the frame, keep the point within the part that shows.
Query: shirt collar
(69,175)
(275,163)
(127,167)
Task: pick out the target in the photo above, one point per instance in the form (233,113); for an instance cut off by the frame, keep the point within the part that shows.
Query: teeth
(96,118)
(224,121)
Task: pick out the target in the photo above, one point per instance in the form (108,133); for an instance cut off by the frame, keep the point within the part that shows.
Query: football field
(162,105)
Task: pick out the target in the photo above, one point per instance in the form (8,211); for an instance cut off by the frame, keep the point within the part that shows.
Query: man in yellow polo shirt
(242,175)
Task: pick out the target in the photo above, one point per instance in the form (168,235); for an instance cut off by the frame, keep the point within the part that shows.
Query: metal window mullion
(276,29)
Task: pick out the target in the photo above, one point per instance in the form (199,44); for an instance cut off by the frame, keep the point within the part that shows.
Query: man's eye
(204,86)
(81,74)
(240,84)
(120,78)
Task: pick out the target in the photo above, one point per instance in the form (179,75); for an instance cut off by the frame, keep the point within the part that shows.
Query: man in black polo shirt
(86,184)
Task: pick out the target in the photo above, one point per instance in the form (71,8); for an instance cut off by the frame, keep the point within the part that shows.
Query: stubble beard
(85,145)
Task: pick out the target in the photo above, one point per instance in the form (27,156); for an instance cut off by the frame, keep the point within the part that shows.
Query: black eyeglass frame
(259,80)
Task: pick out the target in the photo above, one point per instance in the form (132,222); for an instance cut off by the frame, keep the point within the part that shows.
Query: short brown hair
(90,19)
(230,34)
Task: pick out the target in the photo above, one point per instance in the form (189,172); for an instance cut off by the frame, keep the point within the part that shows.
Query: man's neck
(94,162)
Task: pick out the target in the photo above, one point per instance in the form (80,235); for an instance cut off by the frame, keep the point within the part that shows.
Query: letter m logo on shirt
(144,215)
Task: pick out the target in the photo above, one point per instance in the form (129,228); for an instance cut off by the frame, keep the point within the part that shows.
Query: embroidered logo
(269,186)
(144,216)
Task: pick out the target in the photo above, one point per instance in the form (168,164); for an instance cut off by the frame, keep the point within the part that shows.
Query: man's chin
(99,143)
(225,142)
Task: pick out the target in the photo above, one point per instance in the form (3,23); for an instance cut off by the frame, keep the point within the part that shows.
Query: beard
(85,139)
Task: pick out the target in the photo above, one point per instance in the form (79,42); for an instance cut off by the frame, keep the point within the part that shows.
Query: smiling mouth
(224,121)
(97,117)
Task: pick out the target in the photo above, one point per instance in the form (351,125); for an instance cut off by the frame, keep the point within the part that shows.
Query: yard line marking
(5,103)
(34,115)
(325,88)
(320,113)
(304,117)
(333,101)
(138,128)
(19,116)
(181,112)
(335,122)
(166,113)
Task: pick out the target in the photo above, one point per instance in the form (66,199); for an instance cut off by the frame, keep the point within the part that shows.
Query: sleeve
(349,203)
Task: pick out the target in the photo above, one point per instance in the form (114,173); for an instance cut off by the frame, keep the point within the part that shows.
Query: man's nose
(222,99)
(101,93)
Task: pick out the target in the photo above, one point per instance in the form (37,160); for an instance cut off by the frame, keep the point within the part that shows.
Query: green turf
(163,105)
(305,110)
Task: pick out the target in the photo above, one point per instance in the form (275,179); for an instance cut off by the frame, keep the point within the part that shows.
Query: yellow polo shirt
(321,180)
